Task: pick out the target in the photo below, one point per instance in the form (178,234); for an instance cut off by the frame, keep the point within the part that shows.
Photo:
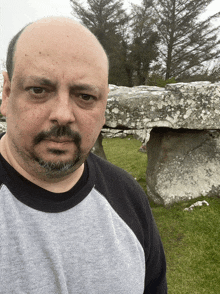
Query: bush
(156,80)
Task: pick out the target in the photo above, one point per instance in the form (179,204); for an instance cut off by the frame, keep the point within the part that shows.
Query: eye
(37,90)
(87,97)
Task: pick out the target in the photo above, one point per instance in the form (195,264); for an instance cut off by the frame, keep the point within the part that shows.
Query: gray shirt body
(87,247)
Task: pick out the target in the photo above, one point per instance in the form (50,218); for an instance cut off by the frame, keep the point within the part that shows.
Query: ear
(5,93)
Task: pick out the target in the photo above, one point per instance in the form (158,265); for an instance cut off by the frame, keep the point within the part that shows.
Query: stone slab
(182,164)
(183,105)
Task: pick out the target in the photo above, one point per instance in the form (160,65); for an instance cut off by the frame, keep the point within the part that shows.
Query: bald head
(58,34)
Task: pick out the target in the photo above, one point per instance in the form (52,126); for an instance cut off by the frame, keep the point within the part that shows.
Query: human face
(55,108)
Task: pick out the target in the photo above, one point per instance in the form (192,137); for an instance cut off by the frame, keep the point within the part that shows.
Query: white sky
(15,14)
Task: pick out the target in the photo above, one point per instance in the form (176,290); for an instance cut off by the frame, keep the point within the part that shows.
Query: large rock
(182,164)
(3,127)
(98,148)
(181,124)
(194,106)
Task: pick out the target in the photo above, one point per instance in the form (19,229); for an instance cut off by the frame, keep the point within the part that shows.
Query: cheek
(90,128)
(26,121)
(28,112)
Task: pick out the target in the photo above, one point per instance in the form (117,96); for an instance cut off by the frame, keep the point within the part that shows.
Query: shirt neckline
(38,198)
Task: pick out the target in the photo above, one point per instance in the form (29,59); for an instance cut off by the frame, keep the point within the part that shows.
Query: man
(70,222)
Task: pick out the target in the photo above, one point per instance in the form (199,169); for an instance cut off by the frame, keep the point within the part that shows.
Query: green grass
(191,239)
(124,153)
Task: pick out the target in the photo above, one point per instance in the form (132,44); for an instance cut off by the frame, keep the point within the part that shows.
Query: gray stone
(113,133)
(184,160)
(98,147)
(194,106)
(3,127)
(182,164)
(196,204)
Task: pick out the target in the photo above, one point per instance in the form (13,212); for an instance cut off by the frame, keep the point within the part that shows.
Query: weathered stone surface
(183,164)
(194,106)
(197,204)
(3,127)
(98,148)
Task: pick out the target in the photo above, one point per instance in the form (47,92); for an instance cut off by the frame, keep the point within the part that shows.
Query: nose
(62,110)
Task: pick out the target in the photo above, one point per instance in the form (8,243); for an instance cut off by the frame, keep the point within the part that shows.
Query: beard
(58,169)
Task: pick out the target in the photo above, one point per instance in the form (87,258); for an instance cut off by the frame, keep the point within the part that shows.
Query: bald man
(70,222)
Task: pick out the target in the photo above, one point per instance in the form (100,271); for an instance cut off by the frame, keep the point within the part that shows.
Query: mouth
(58,135)
(59,140)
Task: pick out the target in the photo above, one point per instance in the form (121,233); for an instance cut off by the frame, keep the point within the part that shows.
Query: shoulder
(113,176)
(124,194)
(110,171)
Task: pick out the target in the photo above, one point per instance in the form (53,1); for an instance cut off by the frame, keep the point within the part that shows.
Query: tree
(145,40)
(187,42)
(210,73)
(107,20)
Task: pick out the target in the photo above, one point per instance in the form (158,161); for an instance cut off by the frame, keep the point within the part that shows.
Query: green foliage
(155,80)
(190,239)
(186,41)
(130,41)
(212,75)
(163,33)
(144,43)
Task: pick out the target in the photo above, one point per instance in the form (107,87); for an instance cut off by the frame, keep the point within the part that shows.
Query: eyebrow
(84,87)
(72,86)
(42,81)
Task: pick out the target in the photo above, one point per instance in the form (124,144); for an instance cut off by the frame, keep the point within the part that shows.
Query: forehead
(62,40)
(61,50)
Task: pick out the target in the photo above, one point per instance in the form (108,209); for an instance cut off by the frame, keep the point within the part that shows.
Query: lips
(58,134)
(59,143)
(60,140)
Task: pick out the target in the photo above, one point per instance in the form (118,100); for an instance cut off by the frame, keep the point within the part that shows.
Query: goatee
(59,168)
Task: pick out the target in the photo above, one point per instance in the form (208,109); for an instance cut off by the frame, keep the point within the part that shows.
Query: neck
(55,185)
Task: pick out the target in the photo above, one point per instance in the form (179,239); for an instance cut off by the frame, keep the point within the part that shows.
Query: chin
(58,163)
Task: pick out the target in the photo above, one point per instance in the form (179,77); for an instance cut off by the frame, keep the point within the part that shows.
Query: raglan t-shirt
(97,238)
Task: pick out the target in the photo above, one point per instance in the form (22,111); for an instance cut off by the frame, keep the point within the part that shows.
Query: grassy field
(191,239)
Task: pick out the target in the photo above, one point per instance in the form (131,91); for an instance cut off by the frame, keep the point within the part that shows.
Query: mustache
(58,132)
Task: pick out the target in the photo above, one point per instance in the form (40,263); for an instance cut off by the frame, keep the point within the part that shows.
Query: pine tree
(187,41)
(144,46)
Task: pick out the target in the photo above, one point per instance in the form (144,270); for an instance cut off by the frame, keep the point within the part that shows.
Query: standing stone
(182,164)
(3,127)
(98,147)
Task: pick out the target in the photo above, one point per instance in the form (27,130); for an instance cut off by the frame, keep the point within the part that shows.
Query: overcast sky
(14,14)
